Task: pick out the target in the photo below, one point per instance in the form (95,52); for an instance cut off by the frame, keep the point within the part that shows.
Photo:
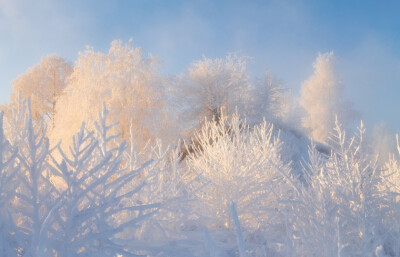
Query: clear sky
(283,37)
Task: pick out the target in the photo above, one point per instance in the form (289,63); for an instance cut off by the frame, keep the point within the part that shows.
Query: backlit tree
(125,81)
(321,98)
(43,84)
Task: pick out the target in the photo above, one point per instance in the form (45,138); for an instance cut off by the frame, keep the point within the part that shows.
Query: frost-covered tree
(267,99)
(321,97)
(43,84)
(123,79)
(211,86)
(270,100)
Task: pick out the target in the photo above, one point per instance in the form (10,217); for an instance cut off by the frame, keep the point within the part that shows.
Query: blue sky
(283,37)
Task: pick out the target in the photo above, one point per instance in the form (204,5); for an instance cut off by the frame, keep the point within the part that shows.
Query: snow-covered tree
(270,100)
(43,84)
(211,86)
(123,79)
(321,97)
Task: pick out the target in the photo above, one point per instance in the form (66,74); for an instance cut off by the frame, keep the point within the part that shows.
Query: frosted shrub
(8,185)
(392,175)
(342,209)
(84,203)
(97,213)
(35,194)
(240,165)
(392,169)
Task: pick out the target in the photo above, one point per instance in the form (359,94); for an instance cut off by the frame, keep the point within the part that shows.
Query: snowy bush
(241,165)
(342,208)
(36,194)
(8,184)
(99,210)
(85,203)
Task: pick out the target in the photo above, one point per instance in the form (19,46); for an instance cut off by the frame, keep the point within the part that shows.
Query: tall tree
(123,79)
(43,84)
(321,98)
(214,85)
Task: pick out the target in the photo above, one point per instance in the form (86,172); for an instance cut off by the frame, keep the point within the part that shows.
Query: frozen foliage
(122,78)
(212,86)
(8,184)
(244,182)
(236,194)
(98,207)
(56,205)
(321,98)
(240,165)
(43,84)
(343,208)
(270,100)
